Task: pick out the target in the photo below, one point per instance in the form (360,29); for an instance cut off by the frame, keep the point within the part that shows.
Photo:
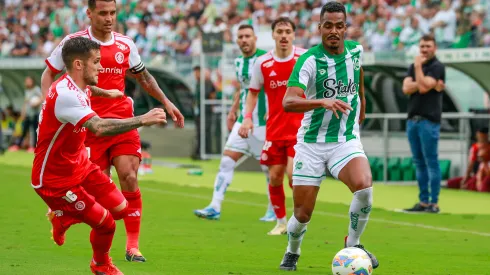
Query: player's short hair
(483,130)
(246,26)
(92,3)
(333,7)
(283,20)
(427,38)
(77,48)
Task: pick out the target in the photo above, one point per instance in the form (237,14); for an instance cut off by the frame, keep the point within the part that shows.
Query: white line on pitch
(323,213)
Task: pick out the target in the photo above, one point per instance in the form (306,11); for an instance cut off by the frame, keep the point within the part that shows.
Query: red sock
(133,220)
(101,239)
(278,200)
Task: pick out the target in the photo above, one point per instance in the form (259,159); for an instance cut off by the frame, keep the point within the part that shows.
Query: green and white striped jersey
(323,75)
(244,66)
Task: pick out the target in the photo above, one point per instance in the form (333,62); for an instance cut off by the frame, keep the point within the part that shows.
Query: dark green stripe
(351,119)
(262,107)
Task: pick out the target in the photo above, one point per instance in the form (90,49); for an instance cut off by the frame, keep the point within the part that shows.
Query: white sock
(296,232)
(265,169)
(359,214)
(222,181)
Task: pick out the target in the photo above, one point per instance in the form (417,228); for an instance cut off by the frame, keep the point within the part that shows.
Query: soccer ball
(352,261)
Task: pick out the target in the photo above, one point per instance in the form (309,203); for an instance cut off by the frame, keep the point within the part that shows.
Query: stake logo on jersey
(243,66)
(117,56)
(322,75)
(273,73)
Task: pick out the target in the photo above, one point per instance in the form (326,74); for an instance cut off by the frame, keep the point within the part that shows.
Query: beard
(89,80)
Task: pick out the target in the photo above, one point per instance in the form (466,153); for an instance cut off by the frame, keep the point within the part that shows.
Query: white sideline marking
(323,213)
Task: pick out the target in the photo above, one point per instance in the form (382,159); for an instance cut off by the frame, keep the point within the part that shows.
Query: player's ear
(89,13)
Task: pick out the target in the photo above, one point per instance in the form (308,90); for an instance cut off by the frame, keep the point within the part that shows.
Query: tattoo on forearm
(110,127)
(96,91)
(150,85)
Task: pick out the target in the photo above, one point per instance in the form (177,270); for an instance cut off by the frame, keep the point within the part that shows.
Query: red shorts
(72,204)
(102,150)
(277,152)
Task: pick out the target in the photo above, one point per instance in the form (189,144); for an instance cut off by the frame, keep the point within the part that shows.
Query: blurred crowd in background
(174,27)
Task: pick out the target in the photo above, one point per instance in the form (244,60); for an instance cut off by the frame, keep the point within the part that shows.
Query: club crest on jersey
(338,88)
(119,57)
(274,84)
(357,63)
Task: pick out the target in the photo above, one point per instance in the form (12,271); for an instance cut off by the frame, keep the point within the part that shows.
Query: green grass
(175,242)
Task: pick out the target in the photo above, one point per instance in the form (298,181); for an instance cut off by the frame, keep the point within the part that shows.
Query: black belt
(417,118)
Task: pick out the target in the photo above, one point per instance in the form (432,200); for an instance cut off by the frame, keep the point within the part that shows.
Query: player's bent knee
(129,181)
(276,179)
(120,211)
(227,164)
(361,182)
(108,225)
(302,216)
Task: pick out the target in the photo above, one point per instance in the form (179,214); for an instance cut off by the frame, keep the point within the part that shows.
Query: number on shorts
(88,151)
(70,197)
(267,145)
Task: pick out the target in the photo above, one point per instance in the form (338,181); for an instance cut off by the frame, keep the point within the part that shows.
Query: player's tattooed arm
(114,93)
(111,127)
(150,85)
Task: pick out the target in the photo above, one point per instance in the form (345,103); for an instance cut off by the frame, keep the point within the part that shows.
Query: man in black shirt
(424,84)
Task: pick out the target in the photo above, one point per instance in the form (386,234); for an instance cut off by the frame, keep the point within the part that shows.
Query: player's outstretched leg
(269,216)
(127,171)
(222,181)
(356,174)
(304,203)
(101,236)
(278,198)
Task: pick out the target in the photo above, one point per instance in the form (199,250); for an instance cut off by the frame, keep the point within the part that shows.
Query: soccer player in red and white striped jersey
(272,71)
(119,54)
(74,188)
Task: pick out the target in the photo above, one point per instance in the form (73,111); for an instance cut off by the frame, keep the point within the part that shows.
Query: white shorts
(251,146)
(312,160)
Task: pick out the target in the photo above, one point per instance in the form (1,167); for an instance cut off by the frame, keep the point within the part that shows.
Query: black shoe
(374,261)
(416,208)
(289,262)
(433,209)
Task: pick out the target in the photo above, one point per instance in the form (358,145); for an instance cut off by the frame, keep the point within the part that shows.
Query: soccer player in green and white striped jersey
(236,147)
(330,77)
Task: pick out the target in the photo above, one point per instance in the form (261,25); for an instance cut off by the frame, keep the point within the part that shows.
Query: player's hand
(175,114)
(113,93)
(336,105)
(247,126)
(154,116)
(440,86)
(230,120)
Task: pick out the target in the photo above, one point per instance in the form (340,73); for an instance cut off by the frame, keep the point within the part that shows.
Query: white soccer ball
(352,261)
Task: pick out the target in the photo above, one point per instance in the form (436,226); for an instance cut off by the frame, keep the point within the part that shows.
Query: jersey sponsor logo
(122,47)
(268,64)
(58,213)
(113,70)
(338,88)
(119,57)
(272,73)
(274,84)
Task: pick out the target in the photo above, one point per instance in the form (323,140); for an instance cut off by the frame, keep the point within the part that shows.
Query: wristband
(248,115)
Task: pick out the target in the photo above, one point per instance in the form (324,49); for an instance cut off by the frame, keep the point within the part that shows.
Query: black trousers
(30,122)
